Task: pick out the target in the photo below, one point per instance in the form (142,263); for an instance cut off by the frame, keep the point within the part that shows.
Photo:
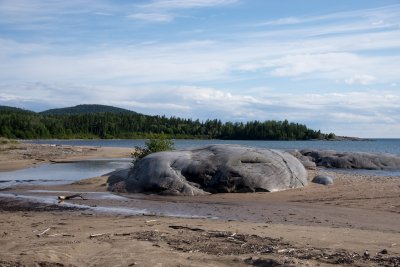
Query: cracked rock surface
(213,169)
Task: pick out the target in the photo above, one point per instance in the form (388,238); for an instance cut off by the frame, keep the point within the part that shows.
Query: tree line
(30,125)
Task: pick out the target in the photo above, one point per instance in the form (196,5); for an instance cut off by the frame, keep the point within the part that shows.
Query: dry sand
(312,226)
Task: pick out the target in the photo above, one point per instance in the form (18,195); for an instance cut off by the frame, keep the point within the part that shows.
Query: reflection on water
(61,173)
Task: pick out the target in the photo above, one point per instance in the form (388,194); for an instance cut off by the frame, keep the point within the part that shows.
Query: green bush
(152,146)
(331,136)
(5,141)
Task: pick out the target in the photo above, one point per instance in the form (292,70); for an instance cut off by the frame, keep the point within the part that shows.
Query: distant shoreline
(338,138)
(391,146)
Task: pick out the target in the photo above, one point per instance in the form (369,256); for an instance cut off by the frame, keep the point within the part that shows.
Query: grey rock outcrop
(116,180)
(306,161)
(323,179)
(216,169)
(352,160)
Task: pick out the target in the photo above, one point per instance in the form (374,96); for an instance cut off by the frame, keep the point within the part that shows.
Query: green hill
(86,109)
(7,109)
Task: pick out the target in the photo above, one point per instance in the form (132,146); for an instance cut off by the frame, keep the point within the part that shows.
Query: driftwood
(98,235)
(61,234)
(186,228)
(122,234)
(42,233)
(62,198)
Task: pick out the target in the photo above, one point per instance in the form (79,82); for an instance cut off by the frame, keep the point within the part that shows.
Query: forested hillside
(7,109)
(83,122)
(85,109)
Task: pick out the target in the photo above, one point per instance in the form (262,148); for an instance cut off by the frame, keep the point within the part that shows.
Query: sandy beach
(312,226)
(17,155)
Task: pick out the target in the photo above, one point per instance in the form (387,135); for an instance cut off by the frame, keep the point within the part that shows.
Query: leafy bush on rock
(152,146)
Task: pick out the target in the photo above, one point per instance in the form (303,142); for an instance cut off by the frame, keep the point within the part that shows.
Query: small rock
(366,254)
(323,179)
(383,251)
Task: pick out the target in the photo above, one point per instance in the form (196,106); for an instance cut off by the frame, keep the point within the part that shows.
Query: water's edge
(391,146)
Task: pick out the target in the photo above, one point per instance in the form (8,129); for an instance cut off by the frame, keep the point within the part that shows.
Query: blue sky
(333,65)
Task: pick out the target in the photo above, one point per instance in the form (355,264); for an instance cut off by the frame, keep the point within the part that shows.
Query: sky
(332,65)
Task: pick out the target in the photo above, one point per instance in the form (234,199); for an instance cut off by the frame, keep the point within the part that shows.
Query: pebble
(383,251)
(366,254)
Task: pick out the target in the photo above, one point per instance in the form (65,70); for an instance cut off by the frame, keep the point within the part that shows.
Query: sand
(312,226)
(15,156)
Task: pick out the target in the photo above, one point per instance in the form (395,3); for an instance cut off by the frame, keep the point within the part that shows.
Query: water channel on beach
(61,173)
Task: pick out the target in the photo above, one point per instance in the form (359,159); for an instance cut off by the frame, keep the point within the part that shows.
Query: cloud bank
(338,72)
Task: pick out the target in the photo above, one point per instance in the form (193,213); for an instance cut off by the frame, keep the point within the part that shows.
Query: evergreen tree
(17,123)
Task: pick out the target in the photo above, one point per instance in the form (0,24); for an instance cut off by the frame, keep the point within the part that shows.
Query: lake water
(376,146)
(61,173)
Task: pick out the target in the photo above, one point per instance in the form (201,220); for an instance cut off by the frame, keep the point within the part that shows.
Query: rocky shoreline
(346,160)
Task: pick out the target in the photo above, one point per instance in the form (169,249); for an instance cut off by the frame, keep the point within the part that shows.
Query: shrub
(5,141)
(152,146)
(331,136)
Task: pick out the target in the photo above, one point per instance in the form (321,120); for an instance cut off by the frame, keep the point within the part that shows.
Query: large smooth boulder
(216,169)
(352,160)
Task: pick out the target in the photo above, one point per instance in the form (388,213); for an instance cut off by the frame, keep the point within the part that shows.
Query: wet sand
(15,156)
(316,225)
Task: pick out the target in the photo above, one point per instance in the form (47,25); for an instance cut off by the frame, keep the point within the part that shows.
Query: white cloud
(103,14)
(191,61)
(184,4)
(281,21)
(166,10)
(375,16)
(10,48)
(152,17)
(360,79)
(27,10)
(150,63)
(296,65)
(349,68)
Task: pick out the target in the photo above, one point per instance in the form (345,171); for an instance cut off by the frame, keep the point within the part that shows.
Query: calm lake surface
(376,146)
(61,173)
